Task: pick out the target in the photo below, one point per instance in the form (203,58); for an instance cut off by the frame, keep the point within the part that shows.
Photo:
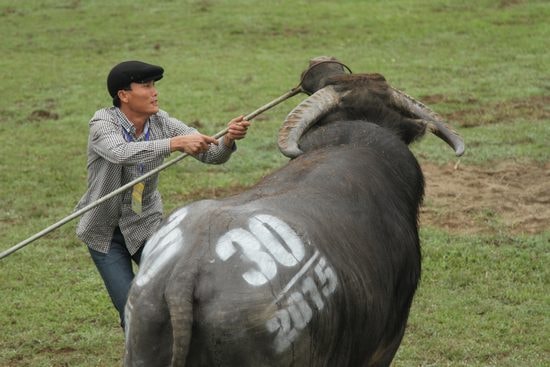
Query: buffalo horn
(426,116)
(306,114)
(447,134)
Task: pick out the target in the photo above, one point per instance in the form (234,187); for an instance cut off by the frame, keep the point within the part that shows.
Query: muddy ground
(478,199)
(473,199)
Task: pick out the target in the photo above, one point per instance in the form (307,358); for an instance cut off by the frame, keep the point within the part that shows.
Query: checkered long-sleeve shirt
(114,161)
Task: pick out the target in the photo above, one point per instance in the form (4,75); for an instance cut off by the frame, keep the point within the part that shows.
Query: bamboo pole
(130,184)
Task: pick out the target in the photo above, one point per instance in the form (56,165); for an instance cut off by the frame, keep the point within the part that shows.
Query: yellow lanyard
(137,189)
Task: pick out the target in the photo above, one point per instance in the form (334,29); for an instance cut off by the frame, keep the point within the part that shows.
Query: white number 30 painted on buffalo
(265,232)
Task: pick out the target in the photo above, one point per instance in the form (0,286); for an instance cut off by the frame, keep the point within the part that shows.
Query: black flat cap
(128,72)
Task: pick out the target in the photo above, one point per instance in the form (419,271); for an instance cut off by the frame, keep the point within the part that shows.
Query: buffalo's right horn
(305,115)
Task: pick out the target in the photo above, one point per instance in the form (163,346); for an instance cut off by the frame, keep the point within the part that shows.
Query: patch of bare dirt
(211,193)
(470,199)
(533,108)
(509,3)
(475,199)
(41,115)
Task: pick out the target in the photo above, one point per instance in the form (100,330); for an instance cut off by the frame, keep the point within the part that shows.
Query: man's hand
(237,129)
(192,144)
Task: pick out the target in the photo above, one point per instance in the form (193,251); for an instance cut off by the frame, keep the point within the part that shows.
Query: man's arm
(203,147)
(106,139)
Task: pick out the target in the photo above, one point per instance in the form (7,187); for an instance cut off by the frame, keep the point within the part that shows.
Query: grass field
(484,65)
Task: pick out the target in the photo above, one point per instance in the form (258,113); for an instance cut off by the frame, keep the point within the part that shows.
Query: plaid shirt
(114,161)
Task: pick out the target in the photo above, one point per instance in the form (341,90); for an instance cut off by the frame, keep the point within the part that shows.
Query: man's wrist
(228,141)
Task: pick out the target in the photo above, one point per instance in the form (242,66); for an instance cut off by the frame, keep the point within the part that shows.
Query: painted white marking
(297,306)
(298,275)
(326,275)
(161,247)
(286,248)
(160,256)
(259,226)
(224,247)
(309,287)
(286,334)
(172,221)
(128,309)
(252,249)
(299,310)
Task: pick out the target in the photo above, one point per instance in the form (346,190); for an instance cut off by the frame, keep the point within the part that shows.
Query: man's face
(141,99)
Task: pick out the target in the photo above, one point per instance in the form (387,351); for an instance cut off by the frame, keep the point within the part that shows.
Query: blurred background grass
(483,299)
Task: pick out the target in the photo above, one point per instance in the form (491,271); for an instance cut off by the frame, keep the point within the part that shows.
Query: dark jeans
(115,267)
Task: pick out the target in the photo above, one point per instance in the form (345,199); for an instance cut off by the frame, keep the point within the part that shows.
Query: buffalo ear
(305,115)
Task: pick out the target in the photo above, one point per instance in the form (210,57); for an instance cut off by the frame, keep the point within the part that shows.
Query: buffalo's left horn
(426,116)
(306,114)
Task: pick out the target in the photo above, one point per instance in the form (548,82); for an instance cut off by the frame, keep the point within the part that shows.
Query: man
(125,141)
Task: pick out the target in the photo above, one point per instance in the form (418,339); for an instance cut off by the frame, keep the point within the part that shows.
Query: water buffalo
(317,264)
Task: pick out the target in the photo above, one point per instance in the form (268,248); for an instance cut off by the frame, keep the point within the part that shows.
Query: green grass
(483,299)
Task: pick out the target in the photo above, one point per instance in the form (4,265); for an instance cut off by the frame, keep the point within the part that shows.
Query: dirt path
(472,199)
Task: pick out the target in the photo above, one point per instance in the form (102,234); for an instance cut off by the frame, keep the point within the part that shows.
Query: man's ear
(123,95)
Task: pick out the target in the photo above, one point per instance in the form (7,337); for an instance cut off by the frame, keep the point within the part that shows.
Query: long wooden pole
(130,184)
